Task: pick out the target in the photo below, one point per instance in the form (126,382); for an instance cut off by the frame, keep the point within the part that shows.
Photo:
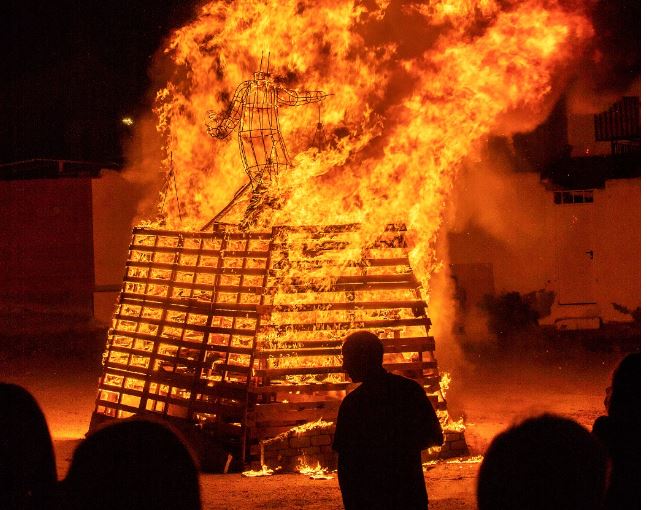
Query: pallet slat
(326,326)
(280,372)
(196,269)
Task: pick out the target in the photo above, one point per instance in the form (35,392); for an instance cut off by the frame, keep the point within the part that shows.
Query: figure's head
(262,75)
(544,462)
(362,353)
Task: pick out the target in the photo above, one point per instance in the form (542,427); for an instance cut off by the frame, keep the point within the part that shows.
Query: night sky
(72,70)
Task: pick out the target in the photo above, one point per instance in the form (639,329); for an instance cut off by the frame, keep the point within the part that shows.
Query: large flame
(417,87)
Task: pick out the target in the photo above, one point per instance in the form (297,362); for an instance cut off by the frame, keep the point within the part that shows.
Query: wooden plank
(172,379)
(245,289)
(326,326)
(177,342)
(118,407)
(121,390)
(384,262)
(270,432)
(315,229)
(217,234)
(314,247)
(327,229)
(190,306)
(178,305)
(121,367)
(295,418)
(278,408)
(349,305)
(223,430)
(353,279)
(205,252)
(223,411)
(119,370)
(310,264)
(191,327)
(390,367)
(417,343)
(223,389)
(425,344)
(275,353)
(188,303)
(308,388)
(237,369)
(378,278)
(280,372)
(157,376)
(308,343)
(197,269)
(357,287)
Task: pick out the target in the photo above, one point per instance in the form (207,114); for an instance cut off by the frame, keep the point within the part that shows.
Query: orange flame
(409,105)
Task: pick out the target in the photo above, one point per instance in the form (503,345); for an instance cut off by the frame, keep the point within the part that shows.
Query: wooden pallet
(241,332)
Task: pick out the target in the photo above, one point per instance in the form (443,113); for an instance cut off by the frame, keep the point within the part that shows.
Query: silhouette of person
(547,462)
(27,466)
(619,431)
(381,428)
(133,464)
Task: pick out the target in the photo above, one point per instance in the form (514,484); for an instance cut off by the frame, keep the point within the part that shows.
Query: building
(565,235)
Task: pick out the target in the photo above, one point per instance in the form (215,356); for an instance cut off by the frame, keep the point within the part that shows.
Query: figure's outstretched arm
(220,125)
(287,97)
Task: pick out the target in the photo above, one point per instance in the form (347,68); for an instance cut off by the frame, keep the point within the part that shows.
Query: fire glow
(405,113)
(240,328)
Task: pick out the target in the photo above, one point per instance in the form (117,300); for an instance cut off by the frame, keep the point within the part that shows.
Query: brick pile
(454,445)
(299,446)
(312,444)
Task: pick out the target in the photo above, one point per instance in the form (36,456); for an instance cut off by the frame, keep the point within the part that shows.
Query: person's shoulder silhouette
(27,465)
(547,462)
(134,464)
(619,431)
(382,426)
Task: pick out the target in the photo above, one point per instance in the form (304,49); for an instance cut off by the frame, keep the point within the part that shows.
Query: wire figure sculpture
(254,110)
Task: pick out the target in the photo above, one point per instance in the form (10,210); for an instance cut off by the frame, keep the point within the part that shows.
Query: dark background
(71,70)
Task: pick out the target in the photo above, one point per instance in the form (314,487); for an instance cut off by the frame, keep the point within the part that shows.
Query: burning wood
(236,329)
(227,330)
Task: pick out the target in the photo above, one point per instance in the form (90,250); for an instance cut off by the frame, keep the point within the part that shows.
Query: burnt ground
(489,389)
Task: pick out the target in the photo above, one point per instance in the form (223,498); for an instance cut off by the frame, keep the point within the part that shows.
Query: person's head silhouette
(362,354)
(27,466)
(133,464)
(547,462)
(624,398)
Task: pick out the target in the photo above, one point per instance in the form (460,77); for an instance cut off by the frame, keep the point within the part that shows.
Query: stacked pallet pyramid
(238,334)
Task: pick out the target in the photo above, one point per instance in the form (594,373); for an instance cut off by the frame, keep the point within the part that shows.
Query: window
(573,197)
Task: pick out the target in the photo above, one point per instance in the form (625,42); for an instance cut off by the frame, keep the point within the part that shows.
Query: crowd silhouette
(546,462)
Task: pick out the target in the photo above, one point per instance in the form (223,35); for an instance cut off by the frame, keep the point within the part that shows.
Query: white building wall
(534,244)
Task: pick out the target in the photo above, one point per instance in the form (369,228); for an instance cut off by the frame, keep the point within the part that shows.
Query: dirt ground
(489,394)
